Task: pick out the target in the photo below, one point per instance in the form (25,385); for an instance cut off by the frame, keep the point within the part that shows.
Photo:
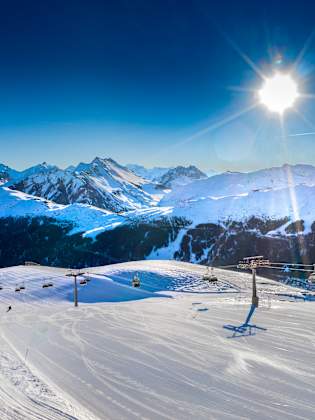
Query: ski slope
(158,352)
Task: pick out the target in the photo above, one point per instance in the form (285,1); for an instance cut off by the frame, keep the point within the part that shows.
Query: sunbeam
(306,120)
(212,127)
(241,89)
(291,187)
(303,51)
(221,123)
(244,56)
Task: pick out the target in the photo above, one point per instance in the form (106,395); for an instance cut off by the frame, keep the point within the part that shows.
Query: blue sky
(138,80)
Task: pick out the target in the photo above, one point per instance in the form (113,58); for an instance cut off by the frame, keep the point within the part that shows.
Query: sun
(279,92)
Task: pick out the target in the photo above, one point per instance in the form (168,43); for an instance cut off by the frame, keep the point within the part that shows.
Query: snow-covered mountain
(102,183)
(213,219)
(181,175)
(211,172)
(264,205)
(237,183)
(152,174)
(35,170)
(7,173)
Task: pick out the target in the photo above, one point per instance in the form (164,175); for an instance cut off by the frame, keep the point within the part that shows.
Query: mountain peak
(181,175)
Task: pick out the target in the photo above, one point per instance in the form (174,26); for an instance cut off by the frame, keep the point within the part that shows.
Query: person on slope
(9,308)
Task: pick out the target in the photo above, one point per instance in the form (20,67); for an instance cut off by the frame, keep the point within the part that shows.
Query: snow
(103,182)
(275,193)
(152,174)
(236,183)
(181,175)
(293,203)
(158,352)
(296,204)
(87,219)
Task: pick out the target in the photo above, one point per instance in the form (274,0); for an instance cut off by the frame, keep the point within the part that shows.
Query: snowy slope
(7,173)
(152,174)
(102,183)
(87,219)
(156,355)
(181,175)
(224,198)
(293,203)
(236,183)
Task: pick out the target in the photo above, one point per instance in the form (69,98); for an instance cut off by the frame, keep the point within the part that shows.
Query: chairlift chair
(83,282)
(135,281)
(209,276)
(206,276)
(311,278)
(22,287)
(1,287)
(17,289)
(47,284)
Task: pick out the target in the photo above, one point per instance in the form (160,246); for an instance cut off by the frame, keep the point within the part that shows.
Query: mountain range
(114,214)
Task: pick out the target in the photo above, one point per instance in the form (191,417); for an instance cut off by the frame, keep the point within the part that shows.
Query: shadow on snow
(246,329)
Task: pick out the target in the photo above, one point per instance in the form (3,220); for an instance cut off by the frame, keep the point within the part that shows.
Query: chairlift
(135,281)
(17,289)
(311,278)
(1,287)
(22,287)
(47,284)
(209,276)
(83,282)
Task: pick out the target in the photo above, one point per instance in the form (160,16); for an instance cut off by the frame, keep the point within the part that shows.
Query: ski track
(155,358)
(25,396)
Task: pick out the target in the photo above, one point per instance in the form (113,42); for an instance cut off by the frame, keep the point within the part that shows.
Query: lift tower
(252,263)
(75,291)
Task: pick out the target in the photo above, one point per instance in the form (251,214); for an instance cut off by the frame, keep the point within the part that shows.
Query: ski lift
(1,287)
(209,276)
(311,278)
(22,287)
(47,284)
(83,282)
(17,289)
(135,281)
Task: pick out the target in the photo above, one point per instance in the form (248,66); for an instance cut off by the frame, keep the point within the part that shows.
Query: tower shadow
(246,329)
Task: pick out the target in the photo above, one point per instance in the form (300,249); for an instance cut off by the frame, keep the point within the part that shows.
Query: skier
(9,308)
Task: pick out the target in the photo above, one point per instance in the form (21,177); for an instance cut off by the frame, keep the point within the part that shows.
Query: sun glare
(279,92)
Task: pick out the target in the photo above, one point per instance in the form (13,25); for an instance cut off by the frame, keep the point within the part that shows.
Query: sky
(158,83)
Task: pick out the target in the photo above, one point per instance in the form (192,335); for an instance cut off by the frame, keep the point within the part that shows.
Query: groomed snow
(158,352)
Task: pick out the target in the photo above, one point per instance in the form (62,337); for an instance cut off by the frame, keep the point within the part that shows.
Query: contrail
(301,134)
